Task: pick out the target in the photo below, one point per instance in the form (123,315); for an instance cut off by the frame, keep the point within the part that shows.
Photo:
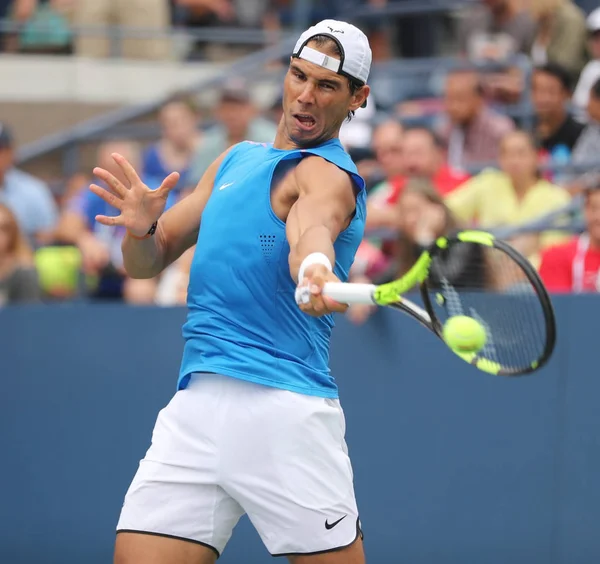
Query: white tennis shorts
(224,447)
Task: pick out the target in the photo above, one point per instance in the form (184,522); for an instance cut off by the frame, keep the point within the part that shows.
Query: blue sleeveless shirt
(243,320)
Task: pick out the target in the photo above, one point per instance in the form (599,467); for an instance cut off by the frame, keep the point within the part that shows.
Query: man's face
(420,156)
(316,101)
(548,95)
(461,97)
(387,145)
(178,123)
(592,215)
(236,116)
(7,159)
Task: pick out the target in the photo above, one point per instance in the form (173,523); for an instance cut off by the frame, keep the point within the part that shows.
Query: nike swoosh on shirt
(225,186)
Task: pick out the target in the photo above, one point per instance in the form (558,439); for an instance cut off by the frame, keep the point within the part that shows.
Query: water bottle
(561,156)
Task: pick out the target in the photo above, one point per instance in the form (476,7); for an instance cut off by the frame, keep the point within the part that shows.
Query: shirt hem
(317,392)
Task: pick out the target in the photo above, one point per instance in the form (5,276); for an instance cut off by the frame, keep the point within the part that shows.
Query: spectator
(588,145)
(387,148)
(550,94)
(591,71)
(495,30)
(18,277)
(511,196)
(473,131)
(238,120)
(179,141)
(28,197)
(574,266)
(100,246)
(560,35)
(44,26)
(153,14)
(422,217)
(422,157)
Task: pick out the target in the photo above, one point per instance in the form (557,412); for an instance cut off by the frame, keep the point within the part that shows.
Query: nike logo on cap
(329,526)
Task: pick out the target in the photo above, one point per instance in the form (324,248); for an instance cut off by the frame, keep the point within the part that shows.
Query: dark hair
(326,41)
(458,70)
(183,99)
(559,72)
(595,90)
(435,139)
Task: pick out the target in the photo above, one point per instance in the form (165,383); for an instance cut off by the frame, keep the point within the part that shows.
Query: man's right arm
(177,231)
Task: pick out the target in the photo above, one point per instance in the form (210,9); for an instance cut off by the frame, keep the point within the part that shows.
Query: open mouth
(305,121)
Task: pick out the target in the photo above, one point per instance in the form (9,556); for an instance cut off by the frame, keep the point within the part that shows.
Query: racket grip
(347,293)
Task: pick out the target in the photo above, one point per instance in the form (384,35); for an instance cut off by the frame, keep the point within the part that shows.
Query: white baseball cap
(593,20)
(355,61)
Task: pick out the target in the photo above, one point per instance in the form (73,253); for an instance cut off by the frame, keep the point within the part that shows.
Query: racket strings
(488,285)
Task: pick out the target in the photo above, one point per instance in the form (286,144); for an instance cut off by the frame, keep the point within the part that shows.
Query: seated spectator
(422,157)
(591,71)
(560,36)
(574,266)
(495,30)
(387,149)
(550,94)
(18,277)
(587,149)
(513,195)
(421,217)
(179,142)
(28,197)
(472,131)
(237,121)
(100,246)
(152,14)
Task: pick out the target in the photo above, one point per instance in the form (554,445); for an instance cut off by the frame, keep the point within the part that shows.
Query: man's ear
(359,98)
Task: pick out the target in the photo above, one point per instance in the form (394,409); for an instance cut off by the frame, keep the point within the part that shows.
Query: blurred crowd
(436,165)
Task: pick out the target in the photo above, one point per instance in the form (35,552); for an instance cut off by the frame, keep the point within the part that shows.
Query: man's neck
(285,143)
(551,124)
(594,244)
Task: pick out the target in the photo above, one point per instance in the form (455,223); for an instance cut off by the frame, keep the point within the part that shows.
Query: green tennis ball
(464,334)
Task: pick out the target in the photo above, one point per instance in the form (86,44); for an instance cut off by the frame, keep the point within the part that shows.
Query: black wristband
(152,229)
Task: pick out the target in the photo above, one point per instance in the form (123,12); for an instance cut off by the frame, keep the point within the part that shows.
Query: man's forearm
(144,258)
(314,240)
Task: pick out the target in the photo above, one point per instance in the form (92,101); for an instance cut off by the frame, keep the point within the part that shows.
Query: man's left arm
(324,208)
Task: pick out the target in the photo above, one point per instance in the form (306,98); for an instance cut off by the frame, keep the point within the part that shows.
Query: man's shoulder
(497,123)
(26,181)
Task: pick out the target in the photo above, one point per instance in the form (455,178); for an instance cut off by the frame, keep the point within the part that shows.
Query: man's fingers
(333,306)
(108,197)
(110,221)
(169,183)
(115,185)
(127,169)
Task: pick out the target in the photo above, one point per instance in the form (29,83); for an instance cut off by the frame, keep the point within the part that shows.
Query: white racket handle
(350,293)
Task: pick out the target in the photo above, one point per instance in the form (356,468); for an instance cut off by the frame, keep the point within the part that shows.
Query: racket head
(477,275)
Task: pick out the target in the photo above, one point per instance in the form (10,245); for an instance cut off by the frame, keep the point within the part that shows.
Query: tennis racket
(476,275)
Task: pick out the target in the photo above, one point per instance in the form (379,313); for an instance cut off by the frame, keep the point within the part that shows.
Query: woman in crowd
(422,217)
(179,141)
(18,277)
(512,196)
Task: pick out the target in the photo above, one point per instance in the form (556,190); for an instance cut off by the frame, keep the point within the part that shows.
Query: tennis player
(255,426)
